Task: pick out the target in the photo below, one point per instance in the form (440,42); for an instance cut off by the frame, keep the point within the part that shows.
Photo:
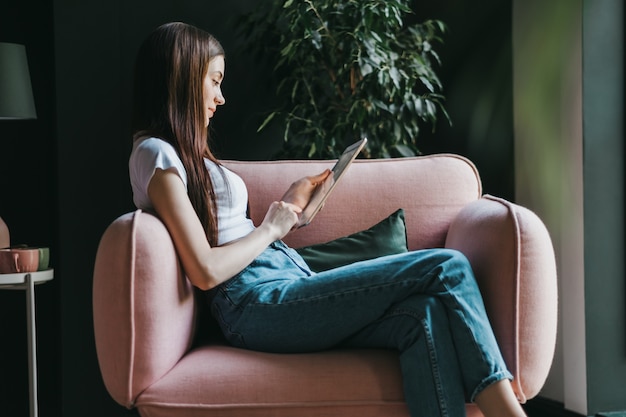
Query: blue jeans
(425,304)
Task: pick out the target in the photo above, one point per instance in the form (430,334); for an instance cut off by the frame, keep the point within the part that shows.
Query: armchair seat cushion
(219,380)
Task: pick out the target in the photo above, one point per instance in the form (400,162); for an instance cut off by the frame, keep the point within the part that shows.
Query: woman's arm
(204,265)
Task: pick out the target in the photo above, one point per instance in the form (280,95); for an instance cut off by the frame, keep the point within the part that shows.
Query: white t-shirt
(151,153)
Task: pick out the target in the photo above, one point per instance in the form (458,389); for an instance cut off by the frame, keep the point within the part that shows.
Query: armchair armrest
(143,305)
(513,259)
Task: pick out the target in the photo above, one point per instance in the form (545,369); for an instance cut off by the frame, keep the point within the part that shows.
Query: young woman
(426,304)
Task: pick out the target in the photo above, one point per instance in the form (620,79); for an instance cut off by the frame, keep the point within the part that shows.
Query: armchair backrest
(431,190)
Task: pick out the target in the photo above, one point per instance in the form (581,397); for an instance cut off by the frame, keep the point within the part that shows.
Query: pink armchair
(146,315)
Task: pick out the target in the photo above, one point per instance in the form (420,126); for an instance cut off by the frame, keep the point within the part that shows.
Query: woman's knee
(457,261)
(453,257)
(450,267)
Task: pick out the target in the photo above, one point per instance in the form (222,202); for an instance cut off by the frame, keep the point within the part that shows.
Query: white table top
(19,280)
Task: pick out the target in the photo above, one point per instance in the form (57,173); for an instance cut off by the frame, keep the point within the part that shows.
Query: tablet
(322,192)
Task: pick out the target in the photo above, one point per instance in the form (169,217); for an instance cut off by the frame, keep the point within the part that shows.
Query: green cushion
(385,238)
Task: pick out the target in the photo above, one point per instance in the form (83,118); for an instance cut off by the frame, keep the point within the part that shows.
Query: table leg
(32,345)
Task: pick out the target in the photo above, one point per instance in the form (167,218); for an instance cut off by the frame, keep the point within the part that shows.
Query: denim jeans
(425,304)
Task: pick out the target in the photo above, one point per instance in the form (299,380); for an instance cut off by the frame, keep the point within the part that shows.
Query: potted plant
(347,69)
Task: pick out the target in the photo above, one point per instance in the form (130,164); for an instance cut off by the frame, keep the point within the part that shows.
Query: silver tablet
(323,190)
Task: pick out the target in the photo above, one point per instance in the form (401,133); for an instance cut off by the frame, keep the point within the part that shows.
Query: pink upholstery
(513,260)
(145,312)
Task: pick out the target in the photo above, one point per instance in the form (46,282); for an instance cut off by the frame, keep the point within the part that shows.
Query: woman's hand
(280,219)
(300,192)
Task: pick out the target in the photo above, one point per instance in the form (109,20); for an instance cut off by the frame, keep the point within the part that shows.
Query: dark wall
(81,62)
(28,204)
(476,73)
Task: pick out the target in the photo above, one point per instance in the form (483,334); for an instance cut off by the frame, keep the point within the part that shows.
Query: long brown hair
(168,103)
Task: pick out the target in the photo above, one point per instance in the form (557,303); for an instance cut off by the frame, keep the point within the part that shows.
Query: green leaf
(427,83)
(395,76)
(420,106)
(404,150)
(366,69)
(431,109)
(266,121)
(294,90)
(286,51)
(312,150)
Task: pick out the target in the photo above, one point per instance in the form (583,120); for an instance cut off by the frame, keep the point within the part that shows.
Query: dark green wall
(28,204)
(81,56)
(477,78)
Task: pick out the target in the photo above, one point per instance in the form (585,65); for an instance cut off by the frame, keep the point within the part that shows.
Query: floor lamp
(16,97)
(17,103)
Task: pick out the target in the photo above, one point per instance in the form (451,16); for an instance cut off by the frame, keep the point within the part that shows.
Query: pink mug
(14,261)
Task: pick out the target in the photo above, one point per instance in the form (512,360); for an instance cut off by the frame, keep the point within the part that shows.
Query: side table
(27,281)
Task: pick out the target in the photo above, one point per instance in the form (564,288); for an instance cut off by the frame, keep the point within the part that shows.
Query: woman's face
(213,87)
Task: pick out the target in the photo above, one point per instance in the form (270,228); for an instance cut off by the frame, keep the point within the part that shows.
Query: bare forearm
(223,262)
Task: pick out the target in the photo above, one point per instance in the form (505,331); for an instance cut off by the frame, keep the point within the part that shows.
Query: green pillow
(385,238)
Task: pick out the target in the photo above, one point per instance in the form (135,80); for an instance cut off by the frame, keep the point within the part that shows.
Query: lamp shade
(16,94)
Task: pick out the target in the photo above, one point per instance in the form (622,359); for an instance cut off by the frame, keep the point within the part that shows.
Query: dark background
(63,177)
